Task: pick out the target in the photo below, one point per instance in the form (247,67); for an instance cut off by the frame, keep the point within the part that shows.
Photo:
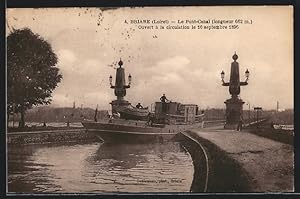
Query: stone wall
(55,136)
(225,173)
(198,184)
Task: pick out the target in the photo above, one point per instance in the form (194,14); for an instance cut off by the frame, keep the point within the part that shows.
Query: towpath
(269,164)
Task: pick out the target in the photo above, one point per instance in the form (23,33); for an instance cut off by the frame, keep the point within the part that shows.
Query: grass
(278,135)
(265,130)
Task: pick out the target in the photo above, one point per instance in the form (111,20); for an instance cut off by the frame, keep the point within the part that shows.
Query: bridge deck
(269,163)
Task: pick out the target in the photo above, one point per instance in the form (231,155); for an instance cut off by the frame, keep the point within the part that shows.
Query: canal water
(97,167)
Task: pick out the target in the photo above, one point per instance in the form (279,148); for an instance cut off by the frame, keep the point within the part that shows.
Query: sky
(184,64)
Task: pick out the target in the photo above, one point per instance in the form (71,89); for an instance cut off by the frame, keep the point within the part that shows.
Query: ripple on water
(98,167)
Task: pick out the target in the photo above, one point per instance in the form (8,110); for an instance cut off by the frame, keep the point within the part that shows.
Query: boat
(131,112)
(131,131)
(129,124)
(160,125)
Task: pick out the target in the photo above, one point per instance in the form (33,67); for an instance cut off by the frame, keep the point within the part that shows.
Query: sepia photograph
(173,99)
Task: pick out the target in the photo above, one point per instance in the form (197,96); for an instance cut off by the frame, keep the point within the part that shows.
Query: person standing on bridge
(240,124)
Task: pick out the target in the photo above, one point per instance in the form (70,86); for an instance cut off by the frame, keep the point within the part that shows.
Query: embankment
(199,183)
(224,173)
(50,136)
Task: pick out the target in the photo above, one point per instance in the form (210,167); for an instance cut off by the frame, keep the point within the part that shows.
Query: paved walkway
(269,163)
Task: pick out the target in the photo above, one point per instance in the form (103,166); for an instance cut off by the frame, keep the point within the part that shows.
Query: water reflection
(97,167)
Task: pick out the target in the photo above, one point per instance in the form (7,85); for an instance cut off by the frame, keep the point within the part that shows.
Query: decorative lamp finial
(235,57)
(120,62)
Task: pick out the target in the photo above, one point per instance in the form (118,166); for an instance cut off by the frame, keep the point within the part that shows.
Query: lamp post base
(231,126)
(234,111)
(115,104)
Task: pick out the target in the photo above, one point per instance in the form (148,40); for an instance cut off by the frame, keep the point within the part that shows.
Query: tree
(31,71)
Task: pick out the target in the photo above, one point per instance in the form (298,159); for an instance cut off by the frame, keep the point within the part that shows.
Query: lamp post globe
(222,75)
(247,73)
(129,78)
(110,79)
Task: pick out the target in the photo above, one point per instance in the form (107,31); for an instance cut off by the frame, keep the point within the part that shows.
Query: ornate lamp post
(234,105)
(120,87)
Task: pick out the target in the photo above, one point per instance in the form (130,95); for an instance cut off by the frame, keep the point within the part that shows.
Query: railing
(283,127)
(181,119)
(213,123)
(254,123)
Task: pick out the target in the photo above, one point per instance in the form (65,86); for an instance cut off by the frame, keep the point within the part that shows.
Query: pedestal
(234,111)
(115,104)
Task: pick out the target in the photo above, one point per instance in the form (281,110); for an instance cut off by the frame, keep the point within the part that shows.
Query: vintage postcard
(150,99)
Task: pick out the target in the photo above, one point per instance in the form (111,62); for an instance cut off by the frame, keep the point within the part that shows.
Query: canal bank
(244,162)
(50,136)
(237,161)
(214,170)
